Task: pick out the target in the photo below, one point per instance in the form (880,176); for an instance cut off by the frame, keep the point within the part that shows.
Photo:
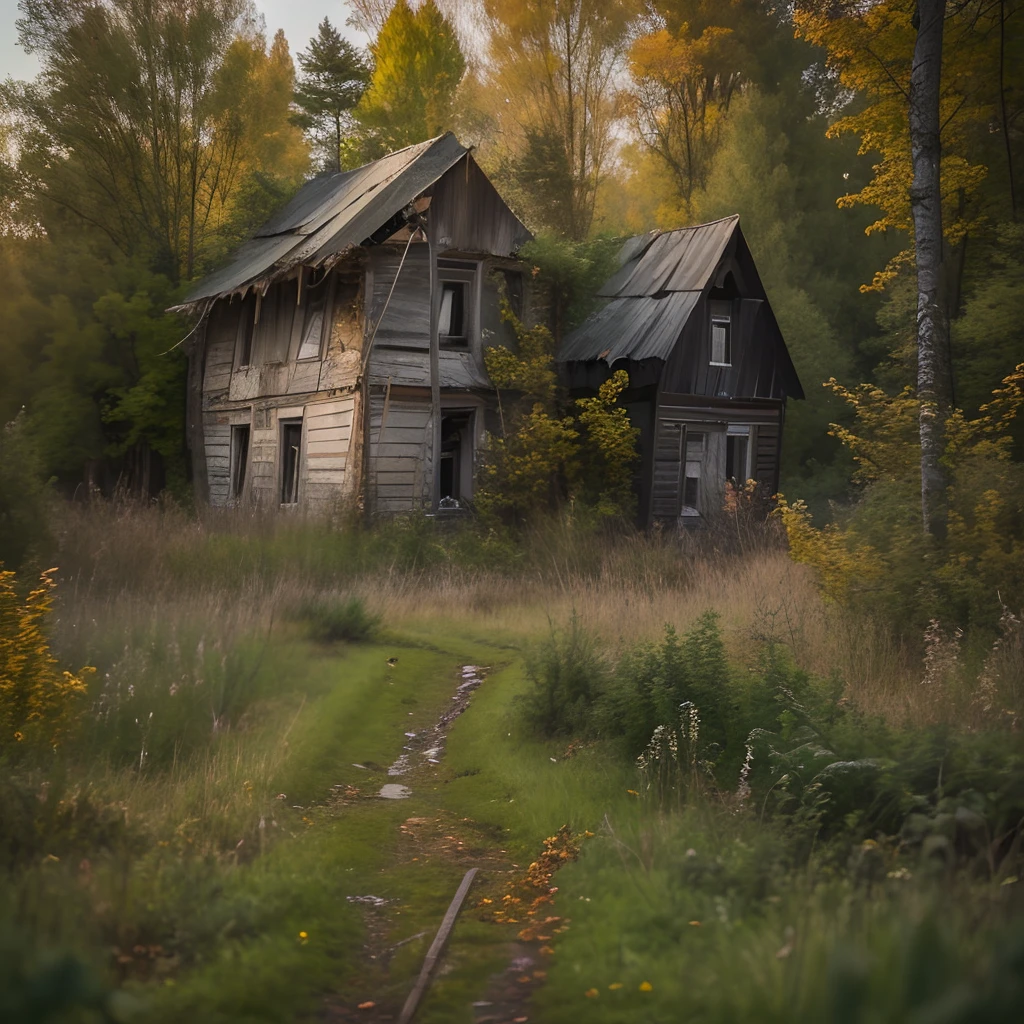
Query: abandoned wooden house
(340,353)
(687,317)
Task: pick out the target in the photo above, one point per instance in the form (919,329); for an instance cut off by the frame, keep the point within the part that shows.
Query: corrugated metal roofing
(330,214)
(630,328)
(653,293)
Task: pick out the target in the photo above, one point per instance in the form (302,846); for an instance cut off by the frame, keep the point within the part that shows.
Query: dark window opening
(291,446)
(247,329)
(451,326)
(721,341)
(455,464)
(736,459)
(239,459)
(514,291)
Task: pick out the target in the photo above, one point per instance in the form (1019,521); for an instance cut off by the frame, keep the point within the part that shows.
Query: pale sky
(298,18)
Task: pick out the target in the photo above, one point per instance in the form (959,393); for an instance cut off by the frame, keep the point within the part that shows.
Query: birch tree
(926,210)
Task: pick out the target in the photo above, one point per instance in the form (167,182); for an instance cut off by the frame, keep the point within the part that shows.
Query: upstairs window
(246,329)
(451,327)
(456,321)
(721,341)
(313,316)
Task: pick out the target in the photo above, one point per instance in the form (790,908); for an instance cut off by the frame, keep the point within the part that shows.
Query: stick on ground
(436,948)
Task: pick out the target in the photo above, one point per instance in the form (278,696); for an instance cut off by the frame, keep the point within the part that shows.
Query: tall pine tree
(334,77)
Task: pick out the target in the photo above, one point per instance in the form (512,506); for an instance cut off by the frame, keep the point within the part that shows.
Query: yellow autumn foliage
(36,697)
(876,553)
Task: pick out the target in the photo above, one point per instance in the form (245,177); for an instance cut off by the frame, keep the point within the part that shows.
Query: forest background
(159,133)
(818,776)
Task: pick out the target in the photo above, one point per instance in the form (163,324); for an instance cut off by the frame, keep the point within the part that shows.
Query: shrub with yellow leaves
(876,555)
(36,697)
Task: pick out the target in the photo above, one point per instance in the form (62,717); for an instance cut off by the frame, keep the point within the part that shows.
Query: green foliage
(330,619)
(542,458)
(570,274)
(418,65)
(24,498)
(334,76)
(568,672)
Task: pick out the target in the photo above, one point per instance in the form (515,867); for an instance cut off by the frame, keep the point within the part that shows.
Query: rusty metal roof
(331,214)
(661,277)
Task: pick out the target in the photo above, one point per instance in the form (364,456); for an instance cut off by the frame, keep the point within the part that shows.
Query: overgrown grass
(185,834)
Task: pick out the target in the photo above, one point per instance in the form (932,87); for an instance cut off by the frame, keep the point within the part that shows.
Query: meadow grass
(191,831)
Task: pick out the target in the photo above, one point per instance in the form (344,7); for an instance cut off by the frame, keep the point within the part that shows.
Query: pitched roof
(332,213)
(660,278)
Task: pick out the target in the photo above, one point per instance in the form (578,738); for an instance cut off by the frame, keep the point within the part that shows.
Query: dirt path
(433,836)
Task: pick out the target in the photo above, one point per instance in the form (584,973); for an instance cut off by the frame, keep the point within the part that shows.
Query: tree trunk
(926,209)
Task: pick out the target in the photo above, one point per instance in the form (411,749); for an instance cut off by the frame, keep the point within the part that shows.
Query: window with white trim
(721,341)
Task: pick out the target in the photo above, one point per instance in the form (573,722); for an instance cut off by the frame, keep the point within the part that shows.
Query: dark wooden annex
(688,319)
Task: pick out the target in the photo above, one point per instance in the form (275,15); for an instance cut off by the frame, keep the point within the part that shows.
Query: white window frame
(719,320)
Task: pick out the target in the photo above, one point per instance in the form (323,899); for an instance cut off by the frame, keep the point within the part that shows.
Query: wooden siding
(679,416)
(400,466)
(218,459)
(467,214)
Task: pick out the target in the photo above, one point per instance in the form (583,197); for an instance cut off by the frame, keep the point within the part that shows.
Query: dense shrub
(568,671)
(331,619)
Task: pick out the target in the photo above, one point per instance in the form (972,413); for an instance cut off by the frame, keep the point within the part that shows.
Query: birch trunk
(926,209)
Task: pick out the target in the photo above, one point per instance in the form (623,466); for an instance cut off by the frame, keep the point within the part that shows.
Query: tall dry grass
(233,571)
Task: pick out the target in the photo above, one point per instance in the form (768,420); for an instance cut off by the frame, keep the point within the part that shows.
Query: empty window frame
(246,329)
(457,312)
(314,313)
(737,454)
(291,459)
(721,341)
(693,463)
(239,462)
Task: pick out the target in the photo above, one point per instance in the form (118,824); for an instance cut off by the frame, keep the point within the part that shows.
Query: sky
(298,18)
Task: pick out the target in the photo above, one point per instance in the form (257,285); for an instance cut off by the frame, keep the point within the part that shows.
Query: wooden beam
(436,949)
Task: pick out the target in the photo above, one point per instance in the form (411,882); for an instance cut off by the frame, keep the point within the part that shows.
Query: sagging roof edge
(282,267)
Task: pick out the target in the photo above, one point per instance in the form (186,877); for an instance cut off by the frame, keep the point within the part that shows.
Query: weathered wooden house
(340,353)
(688,318)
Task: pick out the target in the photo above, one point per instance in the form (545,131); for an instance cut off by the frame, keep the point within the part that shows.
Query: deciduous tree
(418,65)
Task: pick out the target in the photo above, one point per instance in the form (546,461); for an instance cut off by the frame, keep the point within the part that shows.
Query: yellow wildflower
(646,986)
(591,993)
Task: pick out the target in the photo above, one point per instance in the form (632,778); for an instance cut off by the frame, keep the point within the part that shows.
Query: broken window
(291,447)
(456,323)
(694,460)
(737,454)
(721,341)
(451,327)
(239,460)
(315,295)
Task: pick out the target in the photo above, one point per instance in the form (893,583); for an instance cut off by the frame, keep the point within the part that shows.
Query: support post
(435,377)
